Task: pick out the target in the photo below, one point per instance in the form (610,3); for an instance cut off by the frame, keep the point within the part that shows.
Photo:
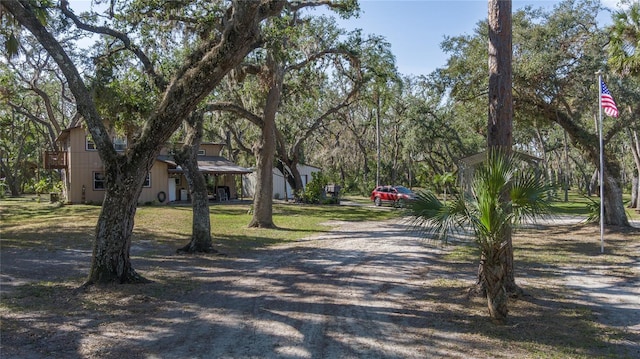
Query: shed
(281,188)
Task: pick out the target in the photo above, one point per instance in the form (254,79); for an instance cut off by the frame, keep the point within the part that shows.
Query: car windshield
(401,189)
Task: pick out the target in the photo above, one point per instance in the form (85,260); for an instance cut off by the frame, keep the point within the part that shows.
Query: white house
(281,189)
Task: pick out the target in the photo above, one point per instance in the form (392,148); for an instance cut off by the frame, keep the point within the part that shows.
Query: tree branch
(51,134)
(335,51)
(23,11)
(148,66)
(238,110)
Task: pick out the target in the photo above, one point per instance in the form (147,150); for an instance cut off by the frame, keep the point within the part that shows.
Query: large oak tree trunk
(295,178)
(265,151)
(187,158)
(262,202)
(110,261)
(614,213)
(201,222)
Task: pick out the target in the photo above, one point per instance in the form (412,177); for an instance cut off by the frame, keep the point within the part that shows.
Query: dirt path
(359,291)
(346,294)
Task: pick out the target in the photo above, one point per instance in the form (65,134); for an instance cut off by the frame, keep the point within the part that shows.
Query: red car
(395,195)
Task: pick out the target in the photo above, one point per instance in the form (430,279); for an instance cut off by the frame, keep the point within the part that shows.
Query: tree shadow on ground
(391,295)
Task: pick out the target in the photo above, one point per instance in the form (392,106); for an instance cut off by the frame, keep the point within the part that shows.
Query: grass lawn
(27,222)
(580,205)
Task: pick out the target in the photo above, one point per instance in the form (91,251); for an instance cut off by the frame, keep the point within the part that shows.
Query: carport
(223,172)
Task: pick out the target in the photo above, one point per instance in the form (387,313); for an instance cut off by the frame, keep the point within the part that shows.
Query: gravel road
(357,291)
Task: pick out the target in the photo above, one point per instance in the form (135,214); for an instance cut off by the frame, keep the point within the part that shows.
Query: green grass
(578,205)
(358,199)
(464,252)
(25,222)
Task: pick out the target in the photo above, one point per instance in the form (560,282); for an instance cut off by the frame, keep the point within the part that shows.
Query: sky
(415,28)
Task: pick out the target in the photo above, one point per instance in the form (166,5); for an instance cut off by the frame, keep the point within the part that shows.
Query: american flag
(608,104)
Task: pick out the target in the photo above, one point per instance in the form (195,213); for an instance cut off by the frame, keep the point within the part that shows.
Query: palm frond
(502,196)
(432,217)
(528,195)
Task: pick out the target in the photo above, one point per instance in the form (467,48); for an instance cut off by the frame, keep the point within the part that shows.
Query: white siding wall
(280,185)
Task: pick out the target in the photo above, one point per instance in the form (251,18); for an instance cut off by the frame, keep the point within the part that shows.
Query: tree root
(190,249)
(132,277)
(514,291)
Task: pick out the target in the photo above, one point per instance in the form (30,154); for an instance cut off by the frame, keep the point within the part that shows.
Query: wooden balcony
(55,159)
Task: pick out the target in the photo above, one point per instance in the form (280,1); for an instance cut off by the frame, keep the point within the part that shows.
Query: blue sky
(416,28)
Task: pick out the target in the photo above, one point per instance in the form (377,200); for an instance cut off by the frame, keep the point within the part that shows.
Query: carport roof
(482,156)
(208,164)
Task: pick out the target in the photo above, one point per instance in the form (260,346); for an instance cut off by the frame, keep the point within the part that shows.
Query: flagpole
(601,162)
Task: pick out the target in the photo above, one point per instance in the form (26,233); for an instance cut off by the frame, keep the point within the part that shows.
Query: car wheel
(377,202)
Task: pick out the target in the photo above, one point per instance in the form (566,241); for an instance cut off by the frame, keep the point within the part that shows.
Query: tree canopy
(152,64)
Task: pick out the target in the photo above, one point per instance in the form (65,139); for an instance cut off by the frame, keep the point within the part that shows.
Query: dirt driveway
(362,290)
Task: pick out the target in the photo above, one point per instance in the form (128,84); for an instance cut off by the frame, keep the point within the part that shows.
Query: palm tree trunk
(513,290)
(494,274)
(635,150)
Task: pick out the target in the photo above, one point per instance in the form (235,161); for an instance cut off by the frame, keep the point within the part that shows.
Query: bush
(314,191)
(42,186)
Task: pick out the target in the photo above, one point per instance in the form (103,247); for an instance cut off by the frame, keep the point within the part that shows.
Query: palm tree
(502,196)
(624,57)
(444,180)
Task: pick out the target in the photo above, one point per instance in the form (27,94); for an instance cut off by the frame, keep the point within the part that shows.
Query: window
(99,181)
(201,152)
(90,145)
(120,143)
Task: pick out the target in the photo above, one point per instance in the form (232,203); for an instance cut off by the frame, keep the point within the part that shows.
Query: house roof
(482,156)
(65,133)
(207,164)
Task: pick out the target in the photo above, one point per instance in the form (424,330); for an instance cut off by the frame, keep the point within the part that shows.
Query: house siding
(83,163)
(159,183)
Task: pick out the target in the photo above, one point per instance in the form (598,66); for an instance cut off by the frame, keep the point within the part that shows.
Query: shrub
(41,186)
(314,191)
